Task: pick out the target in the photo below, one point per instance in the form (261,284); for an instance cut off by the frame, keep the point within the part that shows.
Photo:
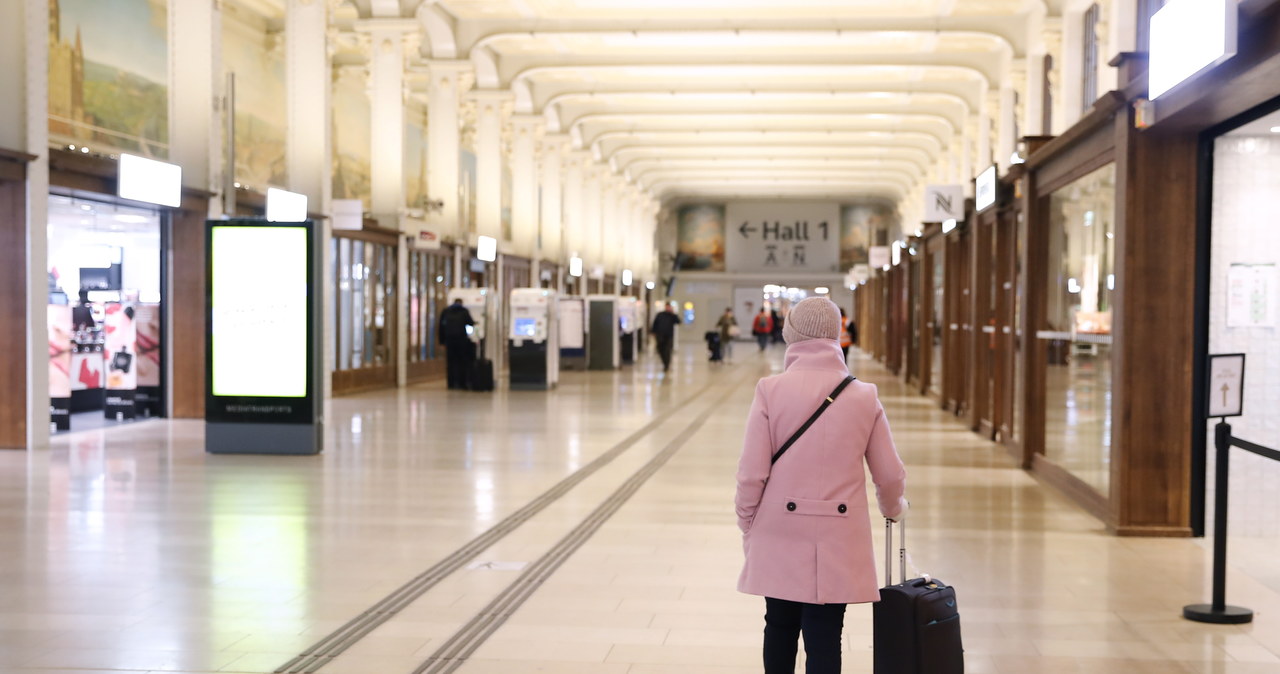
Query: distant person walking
(460,351)
(846,337)
(762,328)
(779,321)
(728,325)
(664,333)
(804,519)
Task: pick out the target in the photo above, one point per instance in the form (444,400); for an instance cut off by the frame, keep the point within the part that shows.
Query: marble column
(35,121)
(554,147)
(526,136)
(1006,142)
(492,108)
(448,81)
(574,243)
(386,122)
(592,201)
(308,148)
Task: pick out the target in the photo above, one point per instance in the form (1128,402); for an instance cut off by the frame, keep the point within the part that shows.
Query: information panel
(263,317)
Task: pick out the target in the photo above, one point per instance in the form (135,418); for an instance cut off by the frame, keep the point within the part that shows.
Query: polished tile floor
(131,550)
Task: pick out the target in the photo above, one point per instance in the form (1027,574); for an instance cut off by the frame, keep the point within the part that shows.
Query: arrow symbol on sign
(744,230)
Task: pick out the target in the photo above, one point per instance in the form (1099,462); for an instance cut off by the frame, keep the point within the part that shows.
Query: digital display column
(263,380)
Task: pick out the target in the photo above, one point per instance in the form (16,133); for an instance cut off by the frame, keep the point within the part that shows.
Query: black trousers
(664,351)
(821,624)
(459,354)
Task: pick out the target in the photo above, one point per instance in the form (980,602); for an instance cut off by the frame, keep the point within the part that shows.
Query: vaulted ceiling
(701,98)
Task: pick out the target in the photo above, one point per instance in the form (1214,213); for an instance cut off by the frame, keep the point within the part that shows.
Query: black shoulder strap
(823,408)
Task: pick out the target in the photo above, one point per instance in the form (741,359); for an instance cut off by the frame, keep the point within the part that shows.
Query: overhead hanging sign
(766,236)
(1188,37)
(984,191)
(943,202)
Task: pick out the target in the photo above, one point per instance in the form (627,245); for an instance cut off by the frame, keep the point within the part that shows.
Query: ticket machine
(628,328)
(603,352)
(533,340)
(572,319)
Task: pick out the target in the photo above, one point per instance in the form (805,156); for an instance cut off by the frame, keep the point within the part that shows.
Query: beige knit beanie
(812,318)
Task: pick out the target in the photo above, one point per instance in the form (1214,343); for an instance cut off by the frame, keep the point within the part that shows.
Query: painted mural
(415,155)
(253,49)
(351,140)
(109,73)
(700,231)
(858,226)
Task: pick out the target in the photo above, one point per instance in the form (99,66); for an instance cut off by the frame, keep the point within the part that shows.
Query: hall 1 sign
(782,236)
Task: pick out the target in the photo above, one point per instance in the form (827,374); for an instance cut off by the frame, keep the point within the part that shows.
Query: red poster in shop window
(147,320)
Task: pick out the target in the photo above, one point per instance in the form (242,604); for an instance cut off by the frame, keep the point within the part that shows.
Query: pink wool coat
(806,529)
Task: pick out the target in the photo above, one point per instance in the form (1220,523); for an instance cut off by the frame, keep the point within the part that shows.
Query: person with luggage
(728,326)
(664,333)
(801,492)
(762,328)
(713,346)
(460,351)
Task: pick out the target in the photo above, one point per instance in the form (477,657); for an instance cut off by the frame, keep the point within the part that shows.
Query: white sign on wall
(943,202)
(1188,36)
(782,236)
(984,194)
(1253,296)
(348,214)
(879,256)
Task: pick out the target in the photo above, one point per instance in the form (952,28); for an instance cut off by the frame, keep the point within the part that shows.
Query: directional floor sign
(1226,385)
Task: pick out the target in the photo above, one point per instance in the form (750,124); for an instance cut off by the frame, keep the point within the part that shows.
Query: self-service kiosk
(603,352)
(572,330)
(628,327)
(533,341)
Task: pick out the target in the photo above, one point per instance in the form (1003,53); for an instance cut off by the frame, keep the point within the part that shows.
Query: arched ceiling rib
(724,98)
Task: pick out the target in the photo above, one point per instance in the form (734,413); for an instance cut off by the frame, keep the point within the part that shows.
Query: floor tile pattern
(130,550)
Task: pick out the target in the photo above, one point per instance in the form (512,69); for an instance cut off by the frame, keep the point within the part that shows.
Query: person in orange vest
(846,338)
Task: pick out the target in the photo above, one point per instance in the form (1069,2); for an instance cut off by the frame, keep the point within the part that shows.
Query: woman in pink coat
(806,529)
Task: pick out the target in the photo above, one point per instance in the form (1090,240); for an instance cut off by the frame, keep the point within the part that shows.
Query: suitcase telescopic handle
(888,551)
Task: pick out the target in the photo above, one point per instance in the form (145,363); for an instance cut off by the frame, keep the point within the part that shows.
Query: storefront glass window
(1081,287)
(364,322)
(430,277)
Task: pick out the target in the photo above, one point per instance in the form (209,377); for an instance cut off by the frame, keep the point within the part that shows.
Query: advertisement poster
(109,73)
(147,320)
(700,232)
(572,324)
(121,361)
(767,236)
(59,319)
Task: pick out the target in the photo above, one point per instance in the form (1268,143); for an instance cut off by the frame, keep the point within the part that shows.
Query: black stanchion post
(1218,612)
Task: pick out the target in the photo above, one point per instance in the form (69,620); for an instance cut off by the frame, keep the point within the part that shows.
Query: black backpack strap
(814,417)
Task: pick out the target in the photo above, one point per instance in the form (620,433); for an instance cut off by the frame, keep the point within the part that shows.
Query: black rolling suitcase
(480,376)
(917,622)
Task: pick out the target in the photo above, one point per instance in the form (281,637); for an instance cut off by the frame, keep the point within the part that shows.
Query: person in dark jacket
(459,349)
(664,333)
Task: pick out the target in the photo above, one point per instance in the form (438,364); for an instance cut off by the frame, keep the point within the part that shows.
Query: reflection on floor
(1078,416)
(95,420)
(130,549)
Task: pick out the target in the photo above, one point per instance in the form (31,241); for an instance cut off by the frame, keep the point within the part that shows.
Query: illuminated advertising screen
(260,315)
